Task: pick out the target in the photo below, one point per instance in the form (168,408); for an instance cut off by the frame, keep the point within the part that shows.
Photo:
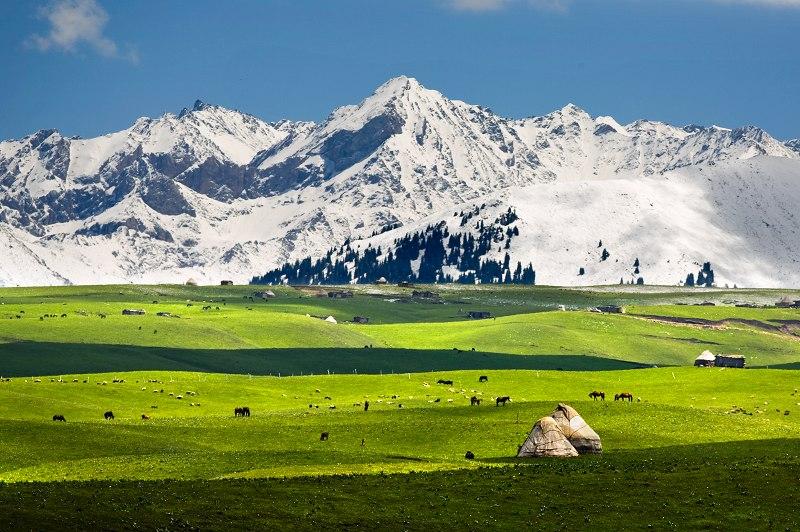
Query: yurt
(546,439)
(578,432)
(706,359)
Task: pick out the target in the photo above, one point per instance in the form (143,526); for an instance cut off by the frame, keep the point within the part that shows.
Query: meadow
(699,447)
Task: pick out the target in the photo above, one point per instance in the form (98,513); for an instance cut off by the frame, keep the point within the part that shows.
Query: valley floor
(697,448)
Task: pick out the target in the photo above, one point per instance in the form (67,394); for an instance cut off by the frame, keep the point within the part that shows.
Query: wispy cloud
(772,3)
(74,24)
(563,5)
(495,5)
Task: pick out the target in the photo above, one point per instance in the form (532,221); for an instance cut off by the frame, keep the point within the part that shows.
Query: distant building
(226,283)
(729,361)
(382,280)
(424,294)
(612,309)
(361,319)
(191,282)
(267,294)
(340,294)
(709,359)
(787,302)
(706,359)
(405,284)
(479,314)
(133,312)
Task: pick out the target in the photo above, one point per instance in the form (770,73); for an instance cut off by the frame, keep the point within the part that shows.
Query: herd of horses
(244,411)
(624,396)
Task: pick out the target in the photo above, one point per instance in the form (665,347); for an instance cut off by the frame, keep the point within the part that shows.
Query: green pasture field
(287,335)
(698,448)
(674,406)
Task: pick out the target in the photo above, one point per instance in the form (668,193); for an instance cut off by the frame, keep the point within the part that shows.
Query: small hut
(340,294)
(706,359)
(382,280)
(729,361)
(612,309)
(133,312)
(363,320)
(479,314)
(191,282)
(331,319)
(226,283)
(267,294)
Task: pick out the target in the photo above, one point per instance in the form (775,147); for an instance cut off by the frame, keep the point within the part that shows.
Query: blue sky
(88,67)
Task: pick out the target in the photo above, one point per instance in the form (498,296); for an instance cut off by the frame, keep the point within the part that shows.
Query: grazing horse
(502,400)
(442,381)
(109,415)
(238,411)
(323,436)
(595,394)
(483,378)
(145,417)
(474,401)
(366,406)
(469,455)
(59,417)
(624,396)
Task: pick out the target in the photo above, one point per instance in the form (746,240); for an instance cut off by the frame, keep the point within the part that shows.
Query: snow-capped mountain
(212,193)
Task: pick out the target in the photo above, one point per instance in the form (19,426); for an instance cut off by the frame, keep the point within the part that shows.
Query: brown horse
(474,401)
(595,395)
(623,397)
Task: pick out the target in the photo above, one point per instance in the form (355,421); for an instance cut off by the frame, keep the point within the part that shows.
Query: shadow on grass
(41,358)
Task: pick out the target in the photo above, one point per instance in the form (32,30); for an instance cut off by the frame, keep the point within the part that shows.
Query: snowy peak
(216,190)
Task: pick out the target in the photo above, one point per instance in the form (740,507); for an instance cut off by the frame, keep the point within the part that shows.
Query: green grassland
(699,448)
(286,334)
(181,440)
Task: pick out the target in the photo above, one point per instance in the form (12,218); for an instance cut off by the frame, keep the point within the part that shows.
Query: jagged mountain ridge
(212,193)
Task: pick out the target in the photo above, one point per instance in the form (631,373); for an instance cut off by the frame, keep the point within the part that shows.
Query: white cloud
(773,3)
(74,23)
(563,5)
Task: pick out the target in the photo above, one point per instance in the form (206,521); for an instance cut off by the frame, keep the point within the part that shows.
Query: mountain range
(212,193)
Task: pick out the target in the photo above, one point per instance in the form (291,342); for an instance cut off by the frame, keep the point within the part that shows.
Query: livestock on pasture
(502,400)
(597,395)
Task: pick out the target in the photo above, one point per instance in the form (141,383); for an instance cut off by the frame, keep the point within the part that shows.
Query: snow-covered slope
(212,193)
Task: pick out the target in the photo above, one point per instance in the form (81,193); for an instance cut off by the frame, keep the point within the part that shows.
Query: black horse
(323,436)
(109,415)
(483,378)
(474,401)
(442,381)
(502,400)
(59,417)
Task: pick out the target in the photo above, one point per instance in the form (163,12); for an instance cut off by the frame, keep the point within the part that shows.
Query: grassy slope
(680,406)
(30,345)
(726,487)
